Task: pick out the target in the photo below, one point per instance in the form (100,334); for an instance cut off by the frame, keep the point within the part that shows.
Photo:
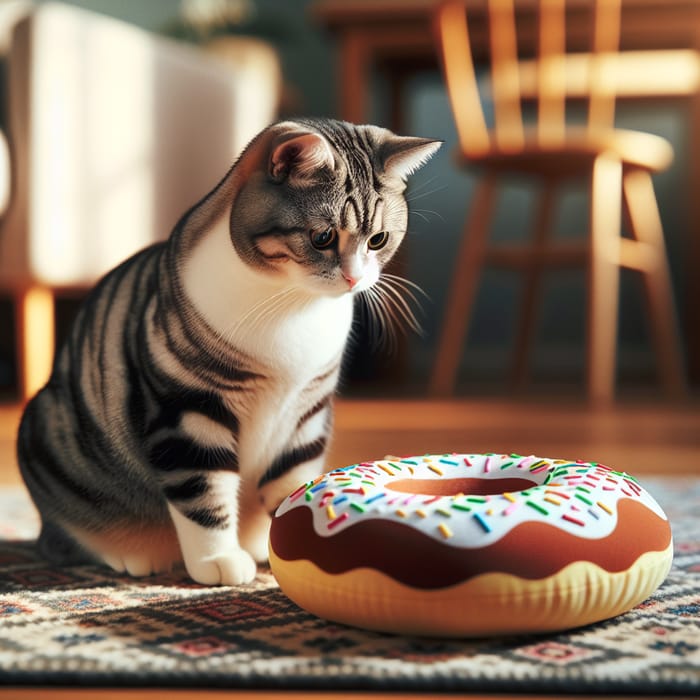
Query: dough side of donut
(487,605)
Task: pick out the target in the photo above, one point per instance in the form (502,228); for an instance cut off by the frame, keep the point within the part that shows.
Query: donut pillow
(470,545)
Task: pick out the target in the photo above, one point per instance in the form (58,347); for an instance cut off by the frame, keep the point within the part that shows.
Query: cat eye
(323,239)
(378,241)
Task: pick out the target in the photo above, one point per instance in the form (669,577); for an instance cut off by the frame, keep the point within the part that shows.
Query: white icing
(579,498)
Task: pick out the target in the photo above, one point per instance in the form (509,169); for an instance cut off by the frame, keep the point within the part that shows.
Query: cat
(195,389)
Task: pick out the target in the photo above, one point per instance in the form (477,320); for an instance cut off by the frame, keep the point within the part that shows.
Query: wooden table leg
(35,332)
(604,277)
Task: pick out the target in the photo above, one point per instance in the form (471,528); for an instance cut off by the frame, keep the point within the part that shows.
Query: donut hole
(454,487)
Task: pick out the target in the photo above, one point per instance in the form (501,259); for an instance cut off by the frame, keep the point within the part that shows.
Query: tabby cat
(195,388)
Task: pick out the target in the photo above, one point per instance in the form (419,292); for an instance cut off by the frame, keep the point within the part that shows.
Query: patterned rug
(86,626)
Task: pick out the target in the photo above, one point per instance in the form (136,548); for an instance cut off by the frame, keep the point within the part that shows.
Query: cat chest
(296,348)
(284,414)
(300,362)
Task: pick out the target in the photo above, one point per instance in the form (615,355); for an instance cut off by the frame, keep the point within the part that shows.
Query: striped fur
(195,389)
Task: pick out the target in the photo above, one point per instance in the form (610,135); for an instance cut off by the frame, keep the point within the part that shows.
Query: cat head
(322,205)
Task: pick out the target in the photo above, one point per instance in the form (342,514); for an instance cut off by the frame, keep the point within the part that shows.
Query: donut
(470,544)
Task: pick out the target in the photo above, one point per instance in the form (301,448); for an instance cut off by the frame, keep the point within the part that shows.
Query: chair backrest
(510,75)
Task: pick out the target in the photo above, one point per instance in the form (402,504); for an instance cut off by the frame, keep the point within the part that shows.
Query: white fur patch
(274,320)
(206,431)
(213,556)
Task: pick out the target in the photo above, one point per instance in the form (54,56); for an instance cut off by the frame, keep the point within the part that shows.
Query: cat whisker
(382,322)
(389,310)
(423,214)
(400,285)
(406,285)
(419,213)
(397,304)
(254,319)
(420,186)
(421,191)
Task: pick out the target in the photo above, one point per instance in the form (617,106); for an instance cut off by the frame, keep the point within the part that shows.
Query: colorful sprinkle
(359,490)
(537,467)
(445,531)
(486,527)
(324,499)
(604,507)
(330,512)
(459,506)
(372,499)
(341,518)
(537,507)
(435,469)
(298,492)
(358,507)
(571,519)
(509,509)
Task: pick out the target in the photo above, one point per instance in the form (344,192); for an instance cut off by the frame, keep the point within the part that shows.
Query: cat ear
(403,155)
(301,157)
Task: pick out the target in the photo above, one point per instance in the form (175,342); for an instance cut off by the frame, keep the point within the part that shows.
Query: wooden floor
(641,438)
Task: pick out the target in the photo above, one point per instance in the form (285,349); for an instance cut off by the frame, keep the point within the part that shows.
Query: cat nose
(352,281)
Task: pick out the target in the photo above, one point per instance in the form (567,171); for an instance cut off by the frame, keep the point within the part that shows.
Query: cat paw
(136,565)
(256,544)
(230,569)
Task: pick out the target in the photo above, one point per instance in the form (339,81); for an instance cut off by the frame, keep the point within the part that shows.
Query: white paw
(135,564)
(230,569)
(254,541)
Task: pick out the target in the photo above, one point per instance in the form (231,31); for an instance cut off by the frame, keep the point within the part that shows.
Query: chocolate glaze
(530,550)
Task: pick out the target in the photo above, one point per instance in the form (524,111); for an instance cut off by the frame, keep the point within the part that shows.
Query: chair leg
(604,276)
(462,290)
(533,284)
(35,333)
(646,227)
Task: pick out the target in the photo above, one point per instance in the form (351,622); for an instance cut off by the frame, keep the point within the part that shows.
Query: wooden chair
(617,165)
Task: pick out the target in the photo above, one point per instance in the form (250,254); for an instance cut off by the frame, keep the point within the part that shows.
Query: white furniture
(113,133)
